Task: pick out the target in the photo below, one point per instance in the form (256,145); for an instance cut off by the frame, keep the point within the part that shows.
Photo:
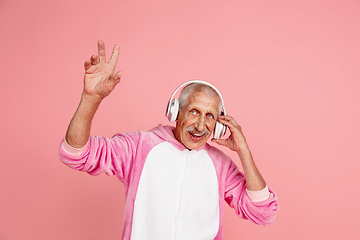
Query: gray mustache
(194,130)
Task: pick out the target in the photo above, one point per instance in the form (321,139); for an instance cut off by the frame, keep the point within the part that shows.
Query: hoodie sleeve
(261,212)
(114,156)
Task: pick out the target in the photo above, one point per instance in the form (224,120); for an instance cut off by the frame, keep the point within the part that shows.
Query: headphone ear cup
(173,110)
(219,130)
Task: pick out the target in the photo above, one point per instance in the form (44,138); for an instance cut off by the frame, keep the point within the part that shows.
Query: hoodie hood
(167,134)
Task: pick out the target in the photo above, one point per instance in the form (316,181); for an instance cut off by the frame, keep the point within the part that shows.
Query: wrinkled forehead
(207,90)
(203,101)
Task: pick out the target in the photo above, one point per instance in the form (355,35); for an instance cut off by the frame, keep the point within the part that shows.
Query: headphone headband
(201,82)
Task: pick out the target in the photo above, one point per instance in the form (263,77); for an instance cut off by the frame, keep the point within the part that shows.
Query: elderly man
(175,182)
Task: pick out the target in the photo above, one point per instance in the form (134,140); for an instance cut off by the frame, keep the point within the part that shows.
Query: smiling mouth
(197,136)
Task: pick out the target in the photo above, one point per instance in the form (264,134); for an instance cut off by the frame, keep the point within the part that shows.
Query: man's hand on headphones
(99,79)
(236,141)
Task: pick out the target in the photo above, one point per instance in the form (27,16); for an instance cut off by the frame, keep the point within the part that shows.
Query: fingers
(94,60)
(115,55)
(102,56)
(228,121)
(87,64)
(101,51)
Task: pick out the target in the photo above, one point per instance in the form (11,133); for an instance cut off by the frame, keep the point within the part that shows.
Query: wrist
(91,99)
(243,149)
(87,108)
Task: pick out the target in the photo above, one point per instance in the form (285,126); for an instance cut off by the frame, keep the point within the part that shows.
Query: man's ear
(177,117)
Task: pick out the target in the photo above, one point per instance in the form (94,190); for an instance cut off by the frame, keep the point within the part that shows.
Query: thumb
(117,77)
(219,141)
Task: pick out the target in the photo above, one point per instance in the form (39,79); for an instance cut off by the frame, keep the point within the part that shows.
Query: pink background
(288,71)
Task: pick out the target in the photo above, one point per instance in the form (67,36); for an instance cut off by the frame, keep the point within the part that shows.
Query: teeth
(197,134)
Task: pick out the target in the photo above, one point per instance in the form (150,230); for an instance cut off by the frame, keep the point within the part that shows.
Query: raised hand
(99,79)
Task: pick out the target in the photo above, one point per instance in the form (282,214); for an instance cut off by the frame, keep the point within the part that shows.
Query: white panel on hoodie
(177,196)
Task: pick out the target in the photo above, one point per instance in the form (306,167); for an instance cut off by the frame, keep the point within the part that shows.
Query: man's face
(196,121)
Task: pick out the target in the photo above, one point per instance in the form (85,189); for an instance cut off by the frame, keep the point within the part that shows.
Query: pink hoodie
(203,177)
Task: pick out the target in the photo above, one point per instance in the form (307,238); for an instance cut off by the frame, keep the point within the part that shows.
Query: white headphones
(172,109)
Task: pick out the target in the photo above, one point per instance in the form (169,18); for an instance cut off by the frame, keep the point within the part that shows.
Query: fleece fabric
(171,192)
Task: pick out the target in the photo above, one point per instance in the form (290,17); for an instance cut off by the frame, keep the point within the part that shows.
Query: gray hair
(198,87)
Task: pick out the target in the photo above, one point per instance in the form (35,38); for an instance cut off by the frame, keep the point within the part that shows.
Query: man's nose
(200,124)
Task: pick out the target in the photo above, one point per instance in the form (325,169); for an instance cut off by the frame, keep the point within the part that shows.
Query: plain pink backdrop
(288,71)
